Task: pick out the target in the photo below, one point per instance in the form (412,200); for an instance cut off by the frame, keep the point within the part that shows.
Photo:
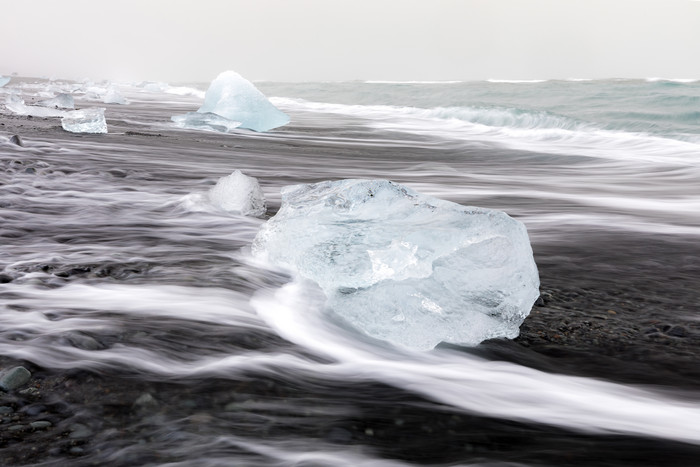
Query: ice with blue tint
(234,98)
(403,267)
(4,80)
(61,101)
(90,120)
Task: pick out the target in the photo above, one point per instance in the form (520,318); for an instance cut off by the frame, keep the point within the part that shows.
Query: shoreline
(618,306)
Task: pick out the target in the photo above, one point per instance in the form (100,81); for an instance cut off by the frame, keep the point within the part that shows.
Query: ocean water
(108,274)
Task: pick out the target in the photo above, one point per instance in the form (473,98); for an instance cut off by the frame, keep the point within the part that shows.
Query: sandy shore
(615,306)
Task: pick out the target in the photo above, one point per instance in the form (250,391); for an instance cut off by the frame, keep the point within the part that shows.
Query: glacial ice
(15,104)
(403,267)
(4,80)
(205,121)
(239,193)
(112,96)
(236,193)
(234,98)
(85,121)
(61,101)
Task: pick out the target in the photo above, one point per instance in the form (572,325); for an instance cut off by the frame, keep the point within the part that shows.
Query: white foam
(533,131)
(517,81)
(673,80)
(466,382)
(412,82)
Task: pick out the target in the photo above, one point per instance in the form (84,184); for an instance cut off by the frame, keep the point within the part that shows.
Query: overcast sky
(293,40)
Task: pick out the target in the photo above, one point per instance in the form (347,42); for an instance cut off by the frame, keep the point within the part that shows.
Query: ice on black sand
(403,267)
(236,100)
(90,120)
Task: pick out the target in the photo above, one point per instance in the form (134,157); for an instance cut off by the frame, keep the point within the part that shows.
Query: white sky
(293,40)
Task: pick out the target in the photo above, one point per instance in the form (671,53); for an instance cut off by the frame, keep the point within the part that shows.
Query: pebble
(14,378)
(78,430)
(15,428)
(34,410)
(82,341)
(40,424)
(677,331)
(16,140)
(5,410)
(33,392)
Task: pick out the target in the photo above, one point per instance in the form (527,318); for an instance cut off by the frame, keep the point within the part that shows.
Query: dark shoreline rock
(14,378)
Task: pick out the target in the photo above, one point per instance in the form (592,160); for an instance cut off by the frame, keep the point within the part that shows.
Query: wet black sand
(615,305)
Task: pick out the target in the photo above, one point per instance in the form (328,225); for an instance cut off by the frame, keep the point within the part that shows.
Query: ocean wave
(672,80)
(413,82)
(487,116)
(517,81)
(526,129)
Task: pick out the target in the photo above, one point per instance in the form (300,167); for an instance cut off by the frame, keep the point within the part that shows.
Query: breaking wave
(515,128)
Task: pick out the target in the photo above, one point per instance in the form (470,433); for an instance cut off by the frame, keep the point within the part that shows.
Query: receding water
(107,271)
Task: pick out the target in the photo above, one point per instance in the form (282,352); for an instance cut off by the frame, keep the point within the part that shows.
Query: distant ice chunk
(404,267)
(236,193)
(85,121)
(205,121)
(4,80)
(112,96)
(234,98)
(15,104)
(61,101)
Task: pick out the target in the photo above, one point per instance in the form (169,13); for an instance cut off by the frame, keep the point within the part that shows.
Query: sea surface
(107,271)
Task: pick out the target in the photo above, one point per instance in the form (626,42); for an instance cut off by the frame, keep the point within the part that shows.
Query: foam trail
(216,452)
(495,389)
(516,129)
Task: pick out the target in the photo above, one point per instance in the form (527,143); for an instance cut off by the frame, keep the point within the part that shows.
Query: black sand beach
(615,305)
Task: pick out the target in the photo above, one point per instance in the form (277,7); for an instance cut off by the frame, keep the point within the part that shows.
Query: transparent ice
(236,99)
(205,121)
(15,104)
(61,101)
(85,121)
(236,193)
(404,267)
(4,80)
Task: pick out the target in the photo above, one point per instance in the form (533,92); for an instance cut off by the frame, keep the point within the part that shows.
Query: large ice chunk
(4,80)
(61,101)
(85,121)
(236,193)
(404,267)
(15,103)
(234,98)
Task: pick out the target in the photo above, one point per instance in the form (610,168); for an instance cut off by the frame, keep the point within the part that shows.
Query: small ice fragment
(232,97)
(112,96)
(239,193)
(4,80)
(151,86)
(205,121)
(403,267)
(85,121)
(62,101)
